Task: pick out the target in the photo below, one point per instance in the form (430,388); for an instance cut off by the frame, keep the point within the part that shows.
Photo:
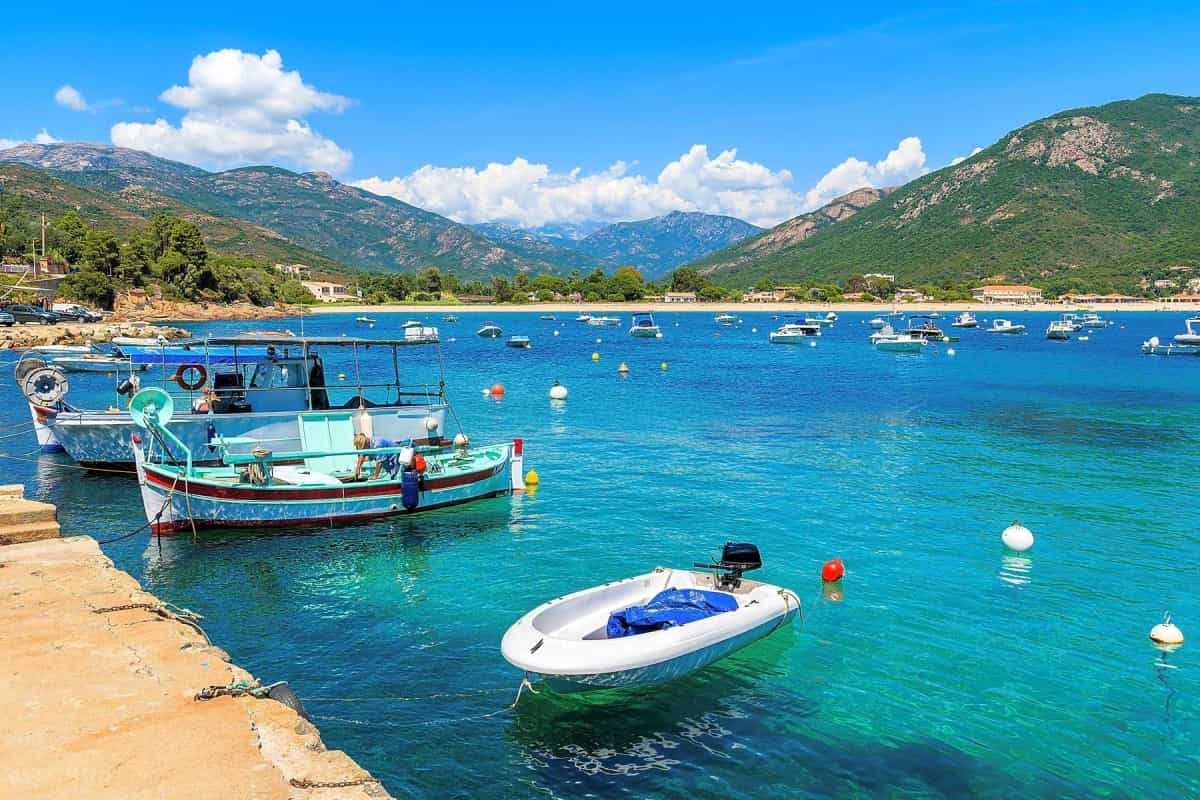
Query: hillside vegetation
(1102,198)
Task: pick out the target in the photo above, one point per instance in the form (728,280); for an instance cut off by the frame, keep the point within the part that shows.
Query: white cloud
(901,165)
(526,194)
(241,108)
(7,143)
(71,98)
(44,137)
(960,159)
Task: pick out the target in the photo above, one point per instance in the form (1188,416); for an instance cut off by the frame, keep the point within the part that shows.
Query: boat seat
(333,431)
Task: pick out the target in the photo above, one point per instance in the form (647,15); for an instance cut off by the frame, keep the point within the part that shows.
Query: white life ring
(45,386)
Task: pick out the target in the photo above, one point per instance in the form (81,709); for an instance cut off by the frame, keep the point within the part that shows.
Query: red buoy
(497,389)
(418,462)
(833,570)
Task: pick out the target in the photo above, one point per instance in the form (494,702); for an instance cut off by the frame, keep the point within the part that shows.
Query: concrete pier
(98,696)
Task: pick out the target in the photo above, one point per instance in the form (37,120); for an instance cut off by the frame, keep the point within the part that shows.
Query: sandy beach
(714,308)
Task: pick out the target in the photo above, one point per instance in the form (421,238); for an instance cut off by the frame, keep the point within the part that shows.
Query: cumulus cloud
(530,195)
(901,165)
(44,137)
(70,97)
(960,159)
(241,108)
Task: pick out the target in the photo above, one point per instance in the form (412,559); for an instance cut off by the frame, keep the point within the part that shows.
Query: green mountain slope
(127,209)
(1093,198)
(342,222)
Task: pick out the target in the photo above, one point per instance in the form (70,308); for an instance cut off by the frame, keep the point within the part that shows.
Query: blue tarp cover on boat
(667,609)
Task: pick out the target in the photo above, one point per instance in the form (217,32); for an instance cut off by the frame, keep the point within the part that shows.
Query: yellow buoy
(595,356)
(341,376)
(623,368)
(663,365)
(531,478)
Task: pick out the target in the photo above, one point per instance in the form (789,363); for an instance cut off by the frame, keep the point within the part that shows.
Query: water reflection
(1016,569)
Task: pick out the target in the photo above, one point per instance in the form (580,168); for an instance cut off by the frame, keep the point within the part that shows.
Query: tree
(686,279)
(627,283)
(501,290)
(88,287)
(101,252)
(710,293)
(429,280)
(69,234)
(856,283)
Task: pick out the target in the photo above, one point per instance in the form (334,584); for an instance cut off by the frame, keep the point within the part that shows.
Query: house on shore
(325,291)
(1008,293)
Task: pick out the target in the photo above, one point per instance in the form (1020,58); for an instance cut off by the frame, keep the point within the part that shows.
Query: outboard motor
(736,558)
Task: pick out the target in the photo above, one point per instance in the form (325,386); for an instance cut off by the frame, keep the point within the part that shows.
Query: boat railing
(350,395)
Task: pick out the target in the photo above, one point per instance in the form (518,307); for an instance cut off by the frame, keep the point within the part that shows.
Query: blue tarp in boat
(667,609)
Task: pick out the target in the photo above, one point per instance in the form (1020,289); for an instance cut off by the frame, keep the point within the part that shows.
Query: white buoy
(950,351)
(558,391)
(1017,537)
(431,424)
(461,440)
(598,341)
(1165,632)
(1153,341)
(812,344)
(556,333)
(754,330)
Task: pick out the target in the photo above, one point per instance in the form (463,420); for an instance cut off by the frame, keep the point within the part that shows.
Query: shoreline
(734,307)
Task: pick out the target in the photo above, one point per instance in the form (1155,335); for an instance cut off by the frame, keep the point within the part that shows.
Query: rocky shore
(23,337)
(163,310)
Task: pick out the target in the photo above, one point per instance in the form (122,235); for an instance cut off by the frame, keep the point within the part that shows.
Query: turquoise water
(950,668)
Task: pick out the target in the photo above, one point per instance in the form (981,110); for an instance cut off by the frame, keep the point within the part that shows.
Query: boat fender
(410,489)
(190,377)
(406,456)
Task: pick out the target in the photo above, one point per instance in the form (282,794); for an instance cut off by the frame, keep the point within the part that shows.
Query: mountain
(1091,198)
(132,207)
(312,209)
(658,245)
(785,235)
(534,244)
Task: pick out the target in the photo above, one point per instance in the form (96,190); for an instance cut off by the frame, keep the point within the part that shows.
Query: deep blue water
(950,669)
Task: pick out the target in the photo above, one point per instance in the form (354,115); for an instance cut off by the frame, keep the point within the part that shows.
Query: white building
(1008,293)
(679,297)
(325,291)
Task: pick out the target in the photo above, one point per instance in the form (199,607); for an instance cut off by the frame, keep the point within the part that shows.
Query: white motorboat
(613,636)
(96,362)
(584,318)
(819,320)
(413,323)
(1004,326)
(1193,332)
(922,326)
(62,349)
(793,332)
(965,320)
(1093,320)
(489,331)
(1154,347)
(604,322)
(877,323)
(725,320)
(1060,330)
(365,320)
(519,342)
(139,341)
(888,341)
(644,326)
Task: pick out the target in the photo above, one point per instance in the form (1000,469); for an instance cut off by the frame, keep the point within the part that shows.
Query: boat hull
(173,504)
(645,332)
(101,440)
(914,346)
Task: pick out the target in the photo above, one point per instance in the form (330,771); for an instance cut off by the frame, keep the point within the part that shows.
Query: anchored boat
(793,332)
(604,322)
(1004,326)
(888,341)
(644,326)
(1193,332)
(965,320)
(1060,330)
(318,484)
(236,386)
(650,628)
(519,342)
(489,331)
(725,320)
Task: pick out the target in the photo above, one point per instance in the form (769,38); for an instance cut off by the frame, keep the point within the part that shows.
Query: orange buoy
(833,570)
(418,462)
(497,389)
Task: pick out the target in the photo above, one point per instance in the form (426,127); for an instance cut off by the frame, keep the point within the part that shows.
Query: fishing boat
(96,362)
(1004,326)
(965,320)
(489,331)
(793,332)
(1154,347)
(62,349)
(1193,332)
(319,483)
(725,320)
(604,322)
(1093,320)
(364,320)
(644,326)
(889,341)
(1059,330)
(651,628)
(254,391)
(877,323)
(519,342)
(922,326)
(1072,321)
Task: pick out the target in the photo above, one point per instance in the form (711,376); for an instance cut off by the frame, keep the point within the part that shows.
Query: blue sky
(796,89)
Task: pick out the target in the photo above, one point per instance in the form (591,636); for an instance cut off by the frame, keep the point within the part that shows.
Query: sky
(530,115)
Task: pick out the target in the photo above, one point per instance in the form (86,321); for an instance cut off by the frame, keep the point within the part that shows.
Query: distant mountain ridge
(658,245)
(1105,198)
(344,223)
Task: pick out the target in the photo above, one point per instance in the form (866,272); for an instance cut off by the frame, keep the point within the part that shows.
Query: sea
(943,666)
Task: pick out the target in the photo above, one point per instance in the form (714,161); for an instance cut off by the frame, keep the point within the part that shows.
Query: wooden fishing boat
(650,628)
(316,485)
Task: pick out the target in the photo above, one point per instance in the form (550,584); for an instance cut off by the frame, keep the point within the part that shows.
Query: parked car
(32,314)
(76,312)
(7,319)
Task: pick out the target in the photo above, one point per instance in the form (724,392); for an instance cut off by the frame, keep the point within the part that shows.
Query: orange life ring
(184,383)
